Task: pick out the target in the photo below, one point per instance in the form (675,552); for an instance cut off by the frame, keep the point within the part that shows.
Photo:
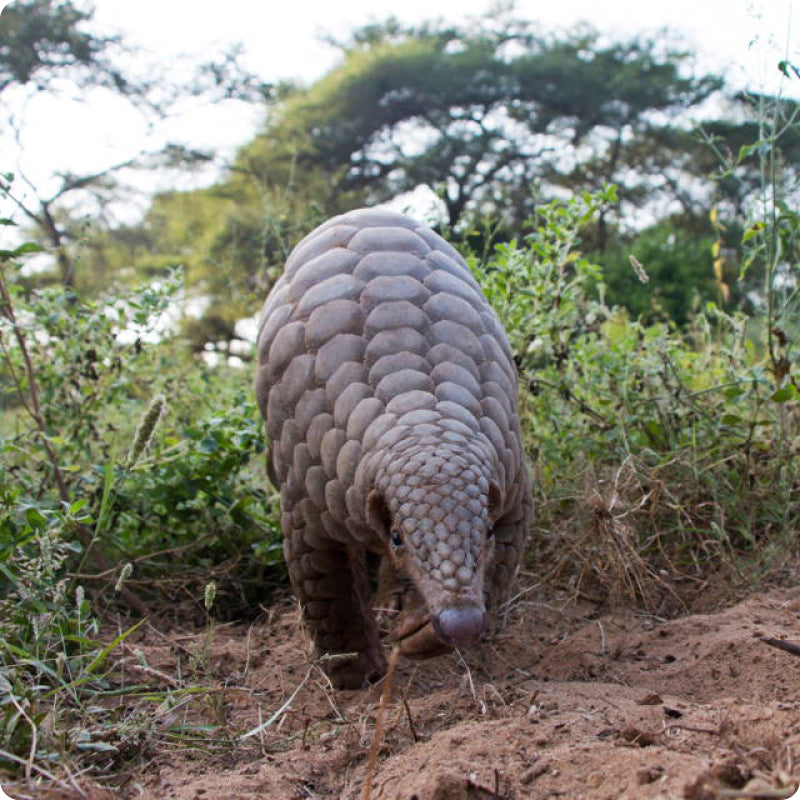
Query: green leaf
(783,394)
(12,578)
(747,150)
(100,657)
(734,392)
(753,231)
(78,505)
(34,516)
(29,247)
(784,66)
(655,429)
(731,419)
(208,445)
(105,502)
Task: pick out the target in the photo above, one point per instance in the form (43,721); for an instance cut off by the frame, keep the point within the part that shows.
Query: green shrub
(657,448)
(122,457)
(679,265)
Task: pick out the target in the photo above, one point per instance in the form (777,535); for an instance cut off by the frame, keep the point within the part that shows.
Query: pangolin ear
(495,501)
(378,513)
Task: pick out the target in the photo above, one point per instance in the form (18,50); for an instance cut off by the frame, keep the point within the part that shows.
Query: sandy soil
(568,701)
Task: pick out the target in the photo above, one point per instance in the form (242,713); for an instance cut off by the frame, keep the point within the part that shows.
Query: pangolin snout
(460,626)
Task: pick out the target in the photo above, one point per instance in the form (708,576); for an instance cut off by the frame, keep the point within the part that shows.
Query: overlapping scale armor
(390,399)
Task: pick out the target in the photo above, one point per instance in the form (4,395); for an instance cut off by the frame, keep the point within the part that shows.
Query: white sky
(742,39)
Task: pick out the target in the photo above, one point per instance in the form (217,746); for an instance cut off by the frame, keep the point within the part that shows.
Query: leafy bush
(658,449)
(94,507)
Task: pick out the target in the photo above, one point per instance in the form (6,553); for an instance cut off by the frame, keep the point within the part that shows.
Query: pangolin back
(384,373)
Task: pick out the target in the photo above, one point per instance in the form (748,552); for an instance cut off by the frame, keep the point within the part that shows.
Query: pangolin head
(436,508)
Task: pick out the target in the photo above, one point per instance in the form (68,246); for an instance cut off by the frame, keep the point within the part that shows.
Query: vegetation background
(633,220)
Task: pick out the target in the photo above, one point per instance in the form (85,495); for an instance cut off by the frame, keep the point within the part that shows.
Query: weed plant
(661,452)
(121,458)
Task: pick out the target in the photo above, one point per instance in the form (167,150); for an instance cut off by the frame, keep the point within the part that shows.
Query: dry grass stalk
(603,542)
(376,736)
(279,713)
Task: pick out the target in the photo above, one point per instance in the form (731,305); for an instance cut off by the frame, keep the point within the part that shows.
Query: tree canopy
(477,115)
(43,39)
(492,119)
(49,45)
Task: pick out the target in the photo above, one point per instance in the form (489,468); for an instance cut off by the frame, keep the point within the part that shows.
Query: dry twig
(376,736)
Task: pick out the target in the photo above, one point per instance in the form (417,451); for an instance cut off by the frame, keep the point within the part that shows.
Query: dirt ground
(568,701)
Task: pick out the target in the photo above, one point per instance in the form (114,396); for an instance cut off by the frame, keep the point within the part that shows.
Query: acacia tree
(43,40)
(478,115)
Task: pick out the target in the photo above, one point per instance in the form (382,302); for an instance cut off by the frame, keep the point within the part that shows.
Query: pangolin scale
(389,393)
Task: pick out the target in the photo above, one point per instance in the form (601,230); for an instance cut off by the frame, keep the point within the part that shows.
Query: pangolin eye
(397,539)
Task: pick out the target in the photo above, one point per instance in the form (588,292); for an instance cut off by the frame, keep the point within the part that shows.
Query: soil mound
(566,702)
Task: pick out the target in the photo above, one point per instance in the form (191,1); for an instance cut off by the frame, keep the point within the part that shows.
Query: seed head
(124,574)
(211,593)
(146,428)
(639,270)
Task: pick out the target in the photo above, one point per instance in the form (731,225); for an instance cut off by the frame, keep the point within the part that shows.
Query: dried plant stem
(410,720)
(114,571)
(376,736)
(277,715)
(29,764)
(162,676)
(34,409)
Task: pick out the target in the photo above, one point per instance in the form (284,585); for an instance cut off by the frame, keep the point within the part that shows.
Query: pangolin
(389,393)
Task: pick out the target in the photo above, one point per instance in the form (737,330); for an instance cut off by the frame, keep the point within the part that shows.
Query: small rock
(651,699)
(649,774)
(638,737)
(530,775)
(534,713)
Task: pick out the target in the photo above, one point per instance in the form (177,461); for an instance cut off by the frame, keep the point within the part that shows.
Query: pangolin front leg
(330,581)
